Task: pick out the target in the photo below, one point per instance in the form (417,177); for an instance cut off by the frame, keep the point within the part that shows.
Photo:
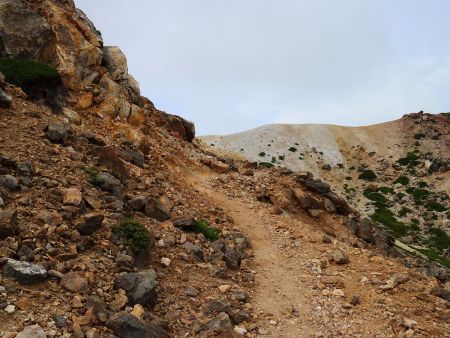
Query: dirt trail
(296,295)
(278,294)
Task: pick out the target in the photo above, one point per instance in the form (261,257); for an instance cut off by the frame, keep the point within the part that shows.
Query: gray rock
(9,182)
(239,295)
(33,331)
(441,293)
(125,325)
(194,249)
(217,305)
(24,168)
(140,287)
(220,323)
(157,210)
(361,228)
(57,133)
(5,99)
(60,321)
(317,185)
(85,244)
(8,224)
(133,156)
(233,258)
(89,223)
(108,182)
(183,222)
(137,203)
(25,34)
(191,292)
(239,316)
(24,272)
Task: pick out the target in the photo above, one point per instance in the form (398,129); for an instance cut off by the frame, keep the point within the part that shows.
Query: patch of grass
(387,218)
(419,195)
(93,177)
(435,256)
(348,178)
(410,160)
(375,196)
(404,211)
(135,234)
(386,190)
(368,175)
(439,239)
(403,180)
(292,149)
(24,73)
(435,206)
(265,164)
(422,184)
(209,232)
(262,154)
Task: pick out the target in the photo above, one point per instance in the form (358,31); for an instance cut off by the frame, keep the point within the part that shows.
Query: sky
(235,65)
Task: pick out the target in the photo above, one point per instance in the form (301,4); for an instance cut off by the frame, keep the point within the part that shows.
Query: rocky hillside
(396,173)
(114,224)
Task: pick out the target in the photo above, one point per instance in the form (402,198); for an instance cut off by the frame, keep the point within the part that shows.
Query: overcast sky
(237,64)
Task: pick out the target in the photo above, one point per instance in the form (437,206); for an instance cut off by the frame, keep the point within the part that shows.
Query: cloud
(234,65)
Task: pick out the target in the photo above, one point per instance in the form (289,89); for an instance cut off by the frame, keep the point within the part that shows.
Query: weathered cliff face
(96,76)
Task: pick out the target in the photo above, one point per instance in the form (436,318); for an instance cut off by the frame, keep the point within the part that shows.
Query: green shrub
(403,180)
(422,184)
(404,211)
(435,206)
(348,178)
(419,136)
(23,73)
(368,175)
(292,149)
(262,154)
(209,232)
(387,218)
(274,159)
(410,160)
(281,157)
(376,197)
(265,164)
(135,234)
(386,190)
(93,177)
(435,256)
(419,195)
(439,239)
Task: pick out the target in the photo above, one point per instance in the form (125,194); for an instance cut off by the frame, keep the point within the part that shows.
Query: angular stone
(183,221)
(33,331)
(24,272)
(57,133)
(89,223)
(75,281)
(219,323)
(72,116)
(140,287)
(137,203)
(72,196)
(8,224)
(233,258)
(9,182)
(157,210)
(125,325)
(340,257)
(194,249)
(108,182)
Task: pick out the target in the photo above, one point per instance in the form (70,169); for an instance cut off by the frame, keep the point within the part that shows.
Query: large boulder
(176,125)
(24,33)
(24,272)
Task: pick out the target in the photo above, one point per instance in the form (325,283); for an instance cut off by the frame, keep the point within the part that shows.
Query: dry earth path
(296,295)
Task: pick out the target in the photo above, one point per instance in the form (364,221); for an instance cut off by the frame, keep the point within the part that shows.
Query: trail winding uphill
(301,292)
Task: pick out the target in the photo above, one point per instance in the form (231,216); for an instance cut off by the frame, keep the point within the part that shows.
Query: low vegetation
(368,175)
(24,73)
(204,228)
(134,234)
(93,177)
(403,180)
